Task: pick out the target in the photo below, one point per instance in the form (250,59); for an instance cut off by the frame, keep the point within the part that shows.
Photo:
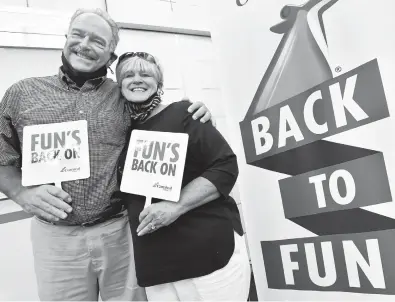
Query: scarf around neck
(141,111)
(80,77)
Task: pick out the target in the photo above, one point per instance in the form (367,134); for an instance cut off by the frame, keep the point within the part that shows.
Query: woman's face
(138,86)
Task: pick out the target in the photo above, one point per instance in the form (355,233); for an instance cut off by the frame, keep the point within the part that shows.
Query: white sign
(154,164)
(53,153)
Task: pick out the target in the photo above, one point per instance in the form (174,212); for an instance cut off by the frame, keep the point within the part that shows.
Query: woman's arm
(210,150)
(195,194)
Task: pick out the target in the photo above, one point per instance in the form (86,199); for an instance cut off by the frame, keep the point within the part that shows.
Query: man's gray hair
(106,17)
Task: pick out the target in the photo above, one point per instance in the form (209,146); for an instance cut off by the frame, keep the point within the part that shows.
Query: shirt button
(81,112)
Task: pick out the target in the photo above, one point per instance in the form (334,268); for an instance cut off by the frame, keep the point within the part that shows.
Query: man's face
(88,43)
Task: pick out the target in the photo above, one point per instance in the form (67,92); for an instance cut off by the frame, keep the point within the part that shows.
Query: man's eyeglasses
(144,55)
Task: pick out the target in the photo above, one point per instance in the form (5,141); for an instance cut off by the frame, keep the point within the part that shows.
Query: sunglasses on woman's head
(143,55)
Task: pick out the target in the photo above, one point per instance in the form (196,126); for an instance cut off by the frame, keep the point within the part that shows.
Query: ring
(152,227)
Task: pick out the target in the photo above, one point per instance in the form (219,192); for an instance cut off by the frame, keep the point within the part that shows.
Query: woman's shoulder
(181,106)
(178,110)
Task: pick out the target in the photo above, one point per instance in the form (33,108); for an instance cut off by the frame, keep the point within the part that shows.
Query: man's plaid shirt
(56,99)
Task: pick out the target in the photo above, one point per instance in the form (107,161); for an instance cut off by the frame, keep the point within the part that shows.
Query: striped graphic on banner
(9,211)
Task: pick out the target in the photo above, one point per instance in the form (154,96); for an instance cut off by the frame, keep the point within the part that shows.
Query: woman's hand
(158,215)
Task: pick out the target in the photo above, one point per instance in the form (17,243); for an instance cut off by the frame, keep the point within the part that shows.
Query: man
(80,235)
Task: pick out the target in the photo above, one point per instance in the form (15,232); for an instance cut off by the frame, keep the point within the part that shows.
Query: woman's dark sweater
(202,240)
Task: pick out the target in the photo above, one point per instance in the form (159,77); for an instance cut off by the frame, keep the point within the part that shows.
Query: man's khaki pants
(77,263)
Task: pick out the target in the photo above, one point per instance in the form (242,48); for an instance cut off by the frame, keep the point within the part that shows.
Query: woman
(192,249)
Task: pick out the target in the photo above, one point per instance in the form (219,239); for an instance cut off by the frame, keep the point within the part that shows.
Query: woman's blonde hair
(139,64)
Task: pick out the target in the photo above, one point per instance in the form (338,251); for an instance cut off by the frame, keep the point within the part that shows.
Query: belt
(111,213)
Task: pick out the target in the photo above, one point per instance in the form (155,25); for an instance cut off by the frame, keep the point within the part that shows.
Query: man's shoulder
(109,84)
(34,81)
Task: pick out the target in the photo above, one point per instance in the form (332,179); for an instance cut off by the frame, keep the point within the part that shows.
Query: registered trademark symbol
(338,69)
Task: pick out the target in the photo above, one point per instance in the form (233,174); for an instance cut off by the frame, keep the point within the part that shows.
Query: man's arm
(45,201)
(10,181)
(200,110)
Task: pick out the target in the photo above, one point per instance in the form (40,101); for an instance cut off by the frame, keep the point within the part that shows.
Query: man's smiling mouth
(83,56)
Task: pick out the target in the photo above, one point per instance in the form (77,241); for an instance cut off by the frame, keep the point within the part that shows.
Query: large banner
(308,86)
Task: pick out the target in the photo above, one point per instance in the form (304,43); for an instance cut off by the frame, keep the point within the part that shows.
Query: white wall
(189,14)
(29,47)
(17,279)
(180,14)
(63,6)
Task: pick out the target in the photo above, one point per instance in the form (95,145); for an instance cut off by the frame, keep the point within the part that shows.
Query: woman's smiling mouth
(138,89)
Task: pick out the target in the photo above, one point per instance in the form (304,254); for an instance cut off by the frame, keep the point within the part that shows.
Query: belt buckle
(84,224)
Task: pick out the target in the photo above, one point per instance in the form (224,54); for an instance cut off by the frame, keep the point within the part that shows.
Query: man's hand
(199,110)
(157,215)
(48,202)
